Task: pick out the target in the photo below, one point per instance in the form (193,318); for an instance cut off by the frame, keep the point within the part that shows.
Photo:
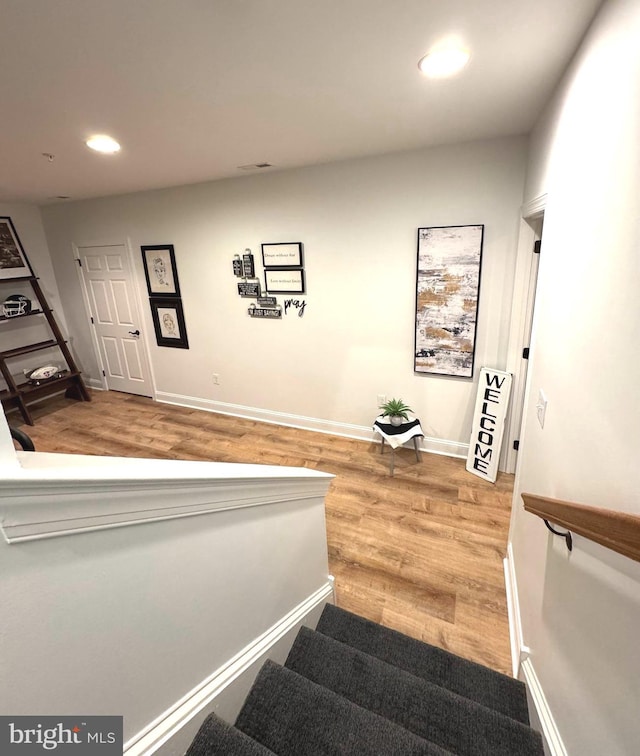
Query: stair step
(295,717)
(217,738)
(473,681)
(428,710)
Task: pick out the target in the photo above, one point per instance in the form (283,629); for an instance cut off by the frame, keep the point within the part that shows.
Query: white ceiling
(195,88)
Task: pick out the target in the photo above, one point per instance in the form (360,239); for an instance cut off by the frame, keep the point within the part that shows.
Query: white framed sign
(284,281)
(492,402)
(282,255)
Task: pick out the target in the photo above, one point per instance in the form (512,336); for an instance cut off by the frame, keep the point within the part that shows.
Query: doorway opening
(525,286)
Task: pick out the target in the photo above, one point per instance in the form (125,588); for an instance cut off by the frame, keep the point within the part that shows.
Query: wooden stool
(397,435)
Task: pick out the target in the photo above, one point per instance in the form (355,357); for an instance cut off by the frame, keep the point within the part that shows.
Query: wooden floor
(420,552)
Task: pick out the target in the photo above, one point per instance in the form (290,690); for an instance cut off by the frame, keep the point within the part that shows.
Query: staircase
(356,688)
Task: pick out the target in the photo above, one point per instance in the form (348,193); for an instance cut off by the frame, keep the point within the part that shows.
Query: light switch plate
(541,407)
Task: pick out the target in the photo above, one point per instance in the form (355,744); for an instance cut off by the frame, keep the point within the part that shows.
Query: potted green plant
(396,410)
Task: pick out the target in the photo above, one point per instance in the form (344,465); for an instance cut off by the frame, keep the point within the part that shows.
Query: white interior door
(113,308)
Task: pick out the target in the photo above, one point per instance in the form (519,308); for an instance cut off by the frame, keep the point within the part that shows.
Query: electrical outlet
(216,379)
(541,407)
(382,398)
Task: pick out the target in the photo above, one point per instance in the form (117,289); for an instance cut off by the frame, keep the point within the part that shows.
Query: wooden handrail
(617,531)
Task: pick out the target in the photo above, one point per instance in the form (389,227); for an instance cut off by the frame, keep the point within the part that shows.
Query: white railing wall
(152,589)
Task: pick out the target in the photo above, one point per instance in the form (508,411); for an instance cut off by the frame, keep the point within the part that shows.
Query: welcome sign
(492,403)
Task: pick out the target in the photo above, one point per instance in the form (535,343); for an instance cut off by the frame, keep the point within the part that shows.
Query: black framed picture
(160,270)
(168,320)
(13,259)
(282,255)
(284,281)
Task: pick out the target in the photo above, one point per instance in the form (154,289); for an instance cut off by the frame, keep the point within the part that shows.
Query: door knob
(135,333)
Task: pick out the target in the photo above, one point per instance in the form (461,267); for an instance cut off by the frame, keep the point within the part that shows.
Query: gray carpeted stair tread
(480,684)
(434,713)
(295,717)
(217,738)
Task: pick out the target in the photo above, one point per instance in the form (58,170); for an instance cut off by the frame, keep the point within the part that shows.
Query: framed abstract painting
(447,293)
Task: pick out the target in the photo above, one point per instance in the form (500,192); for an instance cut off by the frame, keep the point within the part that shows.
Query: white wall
(581,613)
(358,222)
(143,588)
(28,224)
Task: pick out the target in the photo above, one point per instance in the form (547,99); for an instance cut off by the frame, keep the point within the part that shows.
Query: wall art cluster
(447,291)
(164,295)
(283,274)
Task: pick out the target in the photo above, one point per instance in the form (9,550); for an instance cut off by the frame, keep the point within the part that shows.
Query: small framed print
(168,320)
(160,270)
(13,260)
(282,255)
(284,281)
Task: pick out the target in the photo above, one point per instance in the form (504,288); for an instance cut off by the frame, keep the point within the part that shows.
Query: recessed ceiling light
(444,62)
(103,143)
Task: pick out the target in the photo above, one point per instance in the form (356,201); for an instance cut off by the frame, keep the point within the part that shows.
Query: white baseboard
(541,716)
(519,651)
(542,713)
(220,684)
(359,432)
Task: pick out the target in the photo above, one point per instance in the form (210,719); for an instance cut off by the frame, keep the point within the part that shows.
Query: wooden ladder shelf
(20,395)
